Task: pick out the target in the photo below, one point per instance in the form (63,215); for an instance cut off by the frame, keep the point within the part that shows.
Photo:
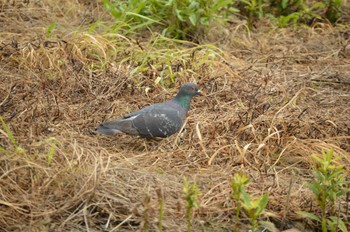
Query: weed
(192,194)
(50,30)
(53,144)
(9,134)
(253,208)
(328,185)
(253,9)
(238,184)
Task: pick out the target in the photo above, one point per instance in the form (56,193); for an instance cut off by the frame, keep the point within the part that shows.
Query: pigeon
(157,120)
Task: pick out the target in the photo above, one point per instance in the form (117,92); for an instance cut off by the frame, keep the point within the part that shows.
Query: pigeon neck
(184,101)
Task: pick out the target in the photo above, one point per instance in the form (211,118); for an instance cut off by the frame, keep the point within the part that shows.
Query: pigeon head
(185,95)
(190,90)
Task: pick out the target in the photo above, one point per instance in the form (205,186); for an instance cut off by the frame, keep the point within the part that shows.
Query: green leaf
(51,154)
(284,4)
(342,226)
(337,222)
(50,30)
(221,4)
(143,17)
(316,158)
(112,9)
(204,21)
(3,150)
(179,16)
(263,201)
(9,133)
(268,226)
(246,2)
(309,215)
(233,10)
(246,200)
(319,5)
(193,19)
(140,6)
(315,188)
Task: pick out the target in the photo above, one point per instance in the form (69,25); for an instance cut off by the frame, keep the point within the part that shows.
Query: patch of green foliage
(291,12)
(328,185)
(296,12)
(184,19)
(334,9)
(178,19)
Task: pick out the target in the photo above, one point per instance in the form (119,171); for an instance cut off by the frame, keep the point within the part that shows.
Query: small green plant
(334,9)
(53,144)
(133,13)
(253,9)
(328,185)
(9,134)
(253,208)
(50,30)
(238,184)
(301,13)
(192,194)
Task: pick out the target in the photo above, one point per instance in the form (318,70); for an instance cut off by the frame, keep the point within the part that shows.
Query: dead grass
(275,97)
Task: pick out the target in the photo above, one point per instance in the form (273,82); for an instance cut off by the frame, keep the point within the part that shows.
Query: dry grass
(273,98)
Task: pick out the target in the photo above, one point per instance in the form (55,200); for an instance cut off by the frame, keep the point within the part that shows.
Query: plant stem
(161,213)
(324,224)
(189,219)
(238,210)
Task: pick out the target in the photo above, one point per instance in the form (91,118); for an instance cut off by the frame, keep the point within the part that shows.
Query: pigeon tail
(124,125)
(107,131)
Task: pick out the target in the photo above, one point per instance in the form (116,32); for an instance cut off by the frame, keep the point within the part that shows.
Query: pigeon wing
(159,120)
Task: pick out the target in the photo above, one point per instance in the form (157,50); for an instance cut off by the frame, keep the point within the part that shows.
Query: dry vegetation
(273,98)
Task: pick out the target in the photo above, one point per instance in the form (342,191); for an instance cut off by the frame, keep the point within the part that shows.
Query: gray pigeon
(157,120)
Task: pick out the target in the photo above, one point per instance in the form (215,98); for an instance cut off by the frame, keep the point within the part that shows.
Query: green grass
(188,19)
(180,19)
(192,193)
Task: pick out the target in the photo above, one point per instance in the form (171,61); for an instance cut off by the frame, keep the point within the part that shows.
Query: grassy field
(274,97)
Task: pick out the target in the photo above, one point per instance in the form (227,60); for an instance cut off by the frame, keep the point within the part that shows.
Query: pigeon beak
(199,92)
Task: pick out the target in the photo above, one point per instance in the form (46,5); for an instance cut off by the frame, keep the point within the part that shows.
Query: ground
(273,97)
